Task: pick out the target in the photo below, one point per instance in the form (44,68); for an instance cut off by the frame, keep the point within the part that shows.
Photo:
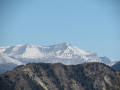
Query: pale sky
(92,25)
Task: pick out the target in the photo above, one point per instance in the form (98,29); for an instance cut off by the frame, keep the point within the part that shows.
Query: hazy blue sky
(92,25)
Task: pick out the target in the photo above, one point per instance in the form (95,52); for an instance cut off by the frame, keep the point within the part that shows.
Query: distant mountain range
(116,66)
(62,53)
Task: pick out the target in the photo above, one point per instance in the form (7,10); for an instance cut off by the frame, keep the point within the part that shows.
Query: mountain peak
(29,45)
(64,44)
(67,43)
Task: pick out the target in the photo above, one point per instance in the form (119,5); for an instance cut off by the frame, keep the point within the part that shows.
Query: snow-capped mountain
(64,53)
(107,61)
(56,53)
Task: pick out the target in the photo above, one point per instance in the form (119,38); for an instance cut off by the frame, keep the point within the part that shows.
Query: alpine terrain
(65,53)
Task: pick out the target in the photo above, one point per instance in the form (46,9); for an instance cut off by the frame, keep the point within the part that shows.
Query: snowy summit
(64,53)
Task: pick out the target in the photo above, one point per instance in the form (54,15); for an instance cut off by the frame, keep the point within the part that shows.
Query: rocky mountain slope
(43,76)
(62,53)
(116,66)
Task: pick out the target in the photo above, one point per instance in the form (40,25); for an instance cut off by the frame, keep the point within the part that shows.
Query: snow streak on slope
(4,59)
(2,49)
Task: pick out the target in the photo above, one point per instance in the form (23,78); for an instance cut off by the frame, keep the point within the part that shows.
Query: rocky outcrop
(42,76)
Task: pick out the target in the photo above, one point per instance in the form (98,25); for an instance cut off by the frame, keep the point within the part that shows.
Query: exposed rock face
(41,76)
